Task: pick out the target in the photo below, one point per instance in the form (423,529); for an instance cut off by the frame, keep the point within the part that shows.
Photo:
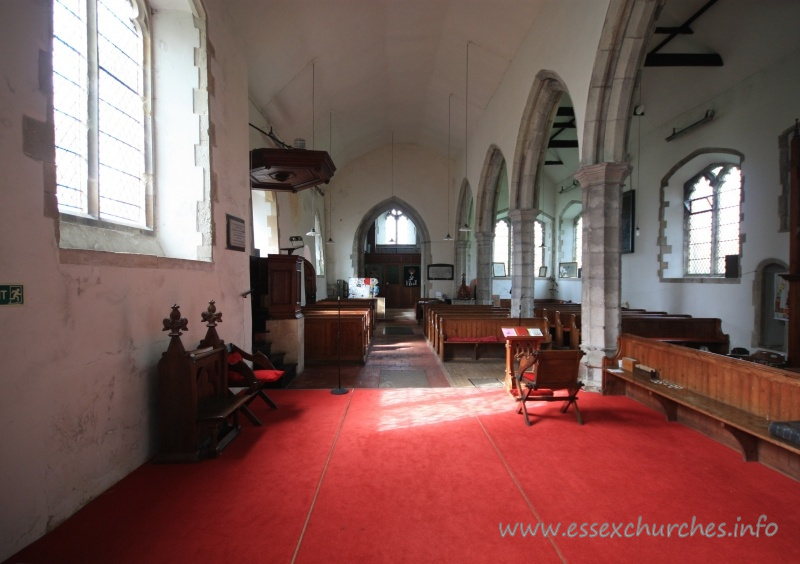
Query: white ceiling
(377,68)
(382,69)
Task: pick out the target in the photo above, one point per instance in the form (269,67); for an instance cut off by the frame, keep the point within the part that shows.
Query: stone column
(523,276)
(600,291)
(484,243)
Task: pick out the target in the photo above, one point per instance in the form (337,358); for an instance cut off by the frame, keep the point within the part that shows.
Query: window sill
(98,244)
(702,280)
(85,257)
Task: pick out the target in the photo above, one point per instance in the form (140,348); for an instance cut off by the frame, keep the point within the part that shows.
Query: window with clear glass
(319,248)
(99,100)
(395,228)
(538,244)
(502,244)
(711,219)
(577,233)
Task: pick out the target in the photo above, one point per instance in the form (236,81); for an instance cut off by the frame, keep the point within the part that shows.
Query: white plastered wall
(79,370)
(749,118)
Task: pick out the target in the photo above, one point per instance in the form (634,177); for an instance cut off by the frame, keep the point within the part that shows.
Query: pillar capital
(602,174)
(529,214)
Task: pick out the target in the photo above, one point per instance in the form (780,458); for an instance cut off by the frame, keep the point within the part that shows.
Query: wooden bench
(420,309)
(476,333)
(430,310)
(436,312)
(564,329)
(198,415)
(322,336)
(729,399)
(439,317)
(679,329)
(350,303)
(692,332)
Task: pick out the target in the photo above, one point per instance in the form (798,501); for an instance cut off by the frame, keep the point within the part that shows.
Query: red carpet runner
(442,474)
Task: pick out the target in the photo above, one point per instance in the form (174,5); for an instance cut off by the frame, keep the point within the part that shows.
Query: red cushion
(474,340)
(236,380)
(543,392)
(234,358)
(488,339)
(268,375)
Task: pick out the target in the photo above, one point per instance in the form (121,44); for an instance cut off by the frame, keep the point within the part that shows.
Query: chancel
(614,182)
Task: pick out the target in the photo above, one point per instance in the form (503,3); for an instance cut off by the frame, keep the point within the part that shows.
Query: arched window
(577,233)
(711,219)
(397,229)
(113,168)
(503,244)
(99,100)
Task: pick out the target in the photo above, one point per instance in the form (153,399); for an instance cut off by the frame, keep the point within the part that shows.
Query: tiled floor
(408,355)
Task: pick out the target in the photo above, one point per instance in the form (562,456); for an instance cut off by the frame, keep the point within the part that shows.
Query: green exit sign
(11,294)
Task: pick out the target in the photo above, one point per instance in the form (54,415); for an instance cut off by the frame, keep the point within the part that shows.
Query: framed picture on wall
(626,227)
(568,270)
(542,272)
(498,269)
(411,275)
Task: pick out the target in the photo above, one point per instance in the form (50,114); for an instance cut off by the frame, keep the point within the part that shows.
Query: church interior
(279,163)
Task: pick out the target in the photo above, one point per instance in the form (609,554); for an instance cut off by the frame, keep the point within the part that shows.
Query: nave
(400,357)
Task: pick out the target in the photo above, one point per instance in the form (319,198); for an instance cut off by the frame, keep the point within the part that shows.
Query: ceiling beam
(562,144)
(656,59)
(683,60)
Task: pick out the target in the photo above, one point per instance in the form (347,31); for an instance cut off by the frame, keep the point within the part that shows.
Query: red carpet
(429,475)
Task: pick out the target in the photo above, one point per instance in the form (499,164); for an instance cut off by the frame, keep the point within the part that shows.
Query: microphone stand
(338,391)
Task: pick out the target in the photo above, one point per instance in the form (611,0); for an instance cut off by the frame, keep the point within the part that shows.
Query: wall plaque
(440,272)
(235,233)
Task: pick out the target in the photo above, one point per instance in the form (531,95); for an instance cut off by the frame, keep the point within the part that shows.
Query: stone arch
(423,235)
(623,43)
(537,120)
(484,221)
(620,54)
(487,190)
(463,209)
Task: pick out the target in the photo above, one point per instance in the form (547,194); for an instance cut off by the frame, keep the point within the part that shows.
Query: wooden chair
(257,378)
(551,371)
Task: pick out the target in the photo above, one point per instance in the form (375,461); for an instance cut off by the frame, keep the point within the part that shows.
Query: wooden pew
(436,319)
(692,332)
(432,311)
(485,333)
(729,399)
(351,303)
(321,335)
(430,308)
(420,310)
(671,328)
